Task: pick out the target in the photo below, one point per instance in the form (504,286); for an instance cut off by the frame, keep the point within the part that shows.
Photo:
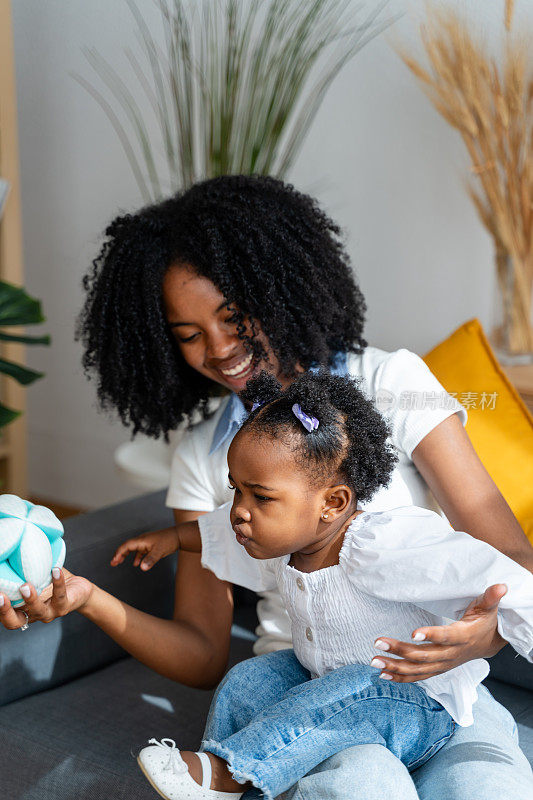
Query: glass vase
(512,335)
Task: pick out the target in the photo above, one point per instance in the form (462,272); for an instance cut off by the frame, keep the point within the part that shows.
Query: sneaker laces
(177,765)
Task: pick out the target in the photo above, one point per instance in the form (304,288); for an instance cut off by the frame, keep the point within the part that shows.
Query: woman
(199,292)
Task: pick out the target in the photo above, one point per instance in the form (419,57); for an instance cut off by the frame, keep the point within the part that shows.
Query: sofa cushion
(501,429)
(81,740)
(509,667)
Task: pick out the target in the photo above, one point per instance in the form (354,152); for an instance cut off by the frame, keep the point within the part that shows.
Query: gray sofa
(75,708)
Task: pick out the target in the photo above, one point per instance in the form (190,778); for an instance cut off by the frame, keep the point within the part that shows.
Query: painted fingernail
(56,572)
(377,662)
(419,637)
(386,676)
(380,645)
(25,591)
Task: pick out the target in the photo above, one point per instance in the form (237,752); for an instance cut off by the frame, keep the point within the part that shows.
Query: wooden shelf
(522,378)
(13,438)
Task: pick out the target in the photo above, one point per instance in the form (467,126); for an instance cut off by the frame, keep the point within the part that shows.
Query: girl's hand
(65,594)
(153,546)
(474,636)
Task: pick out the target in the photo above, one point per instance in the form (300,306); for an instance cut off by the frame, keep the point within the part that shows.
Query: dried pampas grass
(490,102)
(509,9)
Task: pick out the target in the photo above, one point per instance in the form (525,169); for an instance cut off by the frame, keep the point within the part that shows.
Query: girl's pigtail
(262,389)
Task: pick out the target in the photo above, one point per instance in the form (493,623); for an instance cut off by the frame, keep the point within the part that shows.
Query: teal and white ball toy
(31,544)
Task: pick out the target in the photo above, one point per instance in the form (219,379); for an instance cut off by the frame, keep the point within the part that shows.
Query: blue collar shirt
(235,413)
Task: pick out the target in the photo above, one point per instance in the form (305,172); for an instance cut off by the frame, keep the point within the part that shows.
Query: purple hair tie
(309,423)
(255,406)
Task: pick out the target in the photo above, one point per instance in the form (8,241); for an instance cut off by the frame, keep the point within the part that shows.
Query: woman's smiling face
(203,326)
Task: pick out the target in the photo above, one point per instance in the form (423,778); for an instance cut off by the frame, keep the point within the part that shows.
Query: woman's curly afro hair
(350,440)
(268,249)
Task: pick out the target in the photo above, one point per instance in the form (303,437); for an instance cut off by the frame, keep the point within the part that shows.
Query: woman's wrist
(106,611)
(497,644)
(88,607)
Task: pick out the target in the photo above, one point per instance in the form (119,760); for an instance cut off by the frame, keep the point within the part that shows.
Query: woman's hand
(153,546)
(473,636)
(65,594)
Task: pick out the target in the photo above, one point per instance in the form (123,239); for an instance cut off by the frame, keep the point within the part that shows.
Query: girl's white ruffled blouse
(398,570)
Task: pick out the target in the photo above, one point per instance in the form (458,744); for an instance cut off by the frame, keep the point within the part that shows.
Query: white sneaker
(169,774)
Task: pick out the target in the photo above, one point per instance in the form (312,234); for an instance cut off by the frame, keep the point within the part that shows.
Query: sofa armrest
(49,655)
(509,667)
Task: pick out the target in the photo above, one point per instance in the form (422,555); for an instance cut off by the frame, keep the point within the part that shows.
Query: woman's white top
(404,390)
(398,570)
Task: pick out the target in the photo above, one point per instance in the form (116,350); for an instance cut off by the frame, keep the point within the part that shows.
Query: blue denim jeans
(481,762)
(273,724)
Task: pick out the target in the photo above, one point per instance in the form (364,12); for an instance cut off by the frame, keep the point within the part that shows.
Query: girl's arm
(193,647)
(151,547)
(473,503)
(412,555)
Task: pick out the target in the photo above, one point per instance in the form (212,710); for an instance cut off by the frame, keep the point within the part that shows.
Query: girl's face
(206,335)
(275,510)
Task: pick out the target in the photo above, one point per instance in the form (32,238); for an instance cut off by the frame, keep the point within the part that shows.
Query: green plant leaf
(23,375)
(17,307)
(7,415)
(10,337)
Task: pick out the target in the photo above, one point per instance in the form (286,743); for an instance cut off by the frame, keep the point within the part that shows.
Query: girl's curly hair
(271,252)
(351,437)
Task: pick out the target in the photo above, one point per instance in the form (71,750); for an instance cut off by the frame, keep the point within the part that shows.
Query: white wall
(380,159)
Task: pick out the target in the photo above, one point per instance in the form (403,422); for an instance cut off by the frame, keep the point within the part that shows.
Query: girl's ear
(337,500)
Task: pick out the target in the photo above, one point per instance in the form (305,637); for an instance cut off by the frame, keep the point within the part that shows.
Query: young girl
(301,465)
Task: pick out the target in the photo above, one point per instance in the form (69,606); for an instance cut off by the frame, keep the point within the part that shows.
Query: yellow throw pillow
(499,424)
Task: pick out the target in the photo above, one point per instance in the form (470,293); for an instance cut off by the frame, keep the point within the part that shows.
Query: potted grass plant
(488,99)
(232,89)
